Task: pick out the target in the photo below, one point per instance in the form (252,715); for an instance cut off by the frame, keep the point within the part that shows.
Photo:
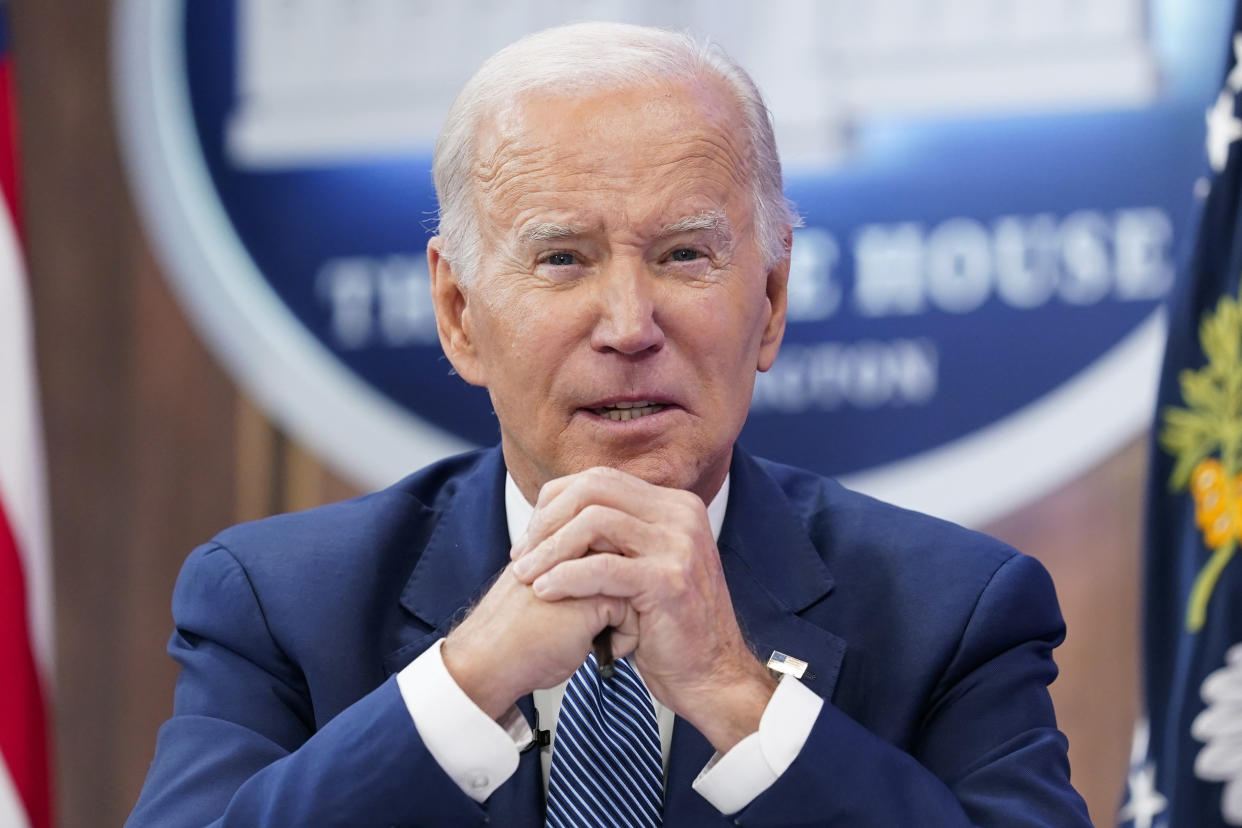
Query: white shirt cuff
(731,781)
(475,751)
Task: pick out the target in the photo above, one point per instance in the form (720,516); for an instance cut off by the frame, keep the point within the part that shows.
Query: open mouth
(622,411)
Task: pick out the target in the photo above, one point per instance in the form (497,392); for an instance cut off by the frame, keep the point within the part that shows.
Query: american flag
(25,556)
(1184,768)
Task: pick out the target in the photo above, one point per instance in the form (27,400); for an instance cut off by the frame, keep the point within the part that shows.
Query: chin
(662,470)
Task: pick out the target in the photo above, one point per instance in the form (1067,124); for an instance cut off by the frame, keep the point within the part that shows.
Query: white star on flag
(1145,801)
(1234,81)
(1223,128)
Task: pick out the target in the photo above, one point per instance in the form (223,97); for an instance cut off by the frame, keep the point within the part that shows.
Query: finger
(596,529)
(622,628)
(554,488)
(561,499)
(611,612)
(601,613)
(609,575)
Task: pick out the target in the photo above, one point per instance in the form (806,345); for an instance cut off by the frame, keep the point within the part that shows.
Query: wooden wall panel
(151,450)
(138,417)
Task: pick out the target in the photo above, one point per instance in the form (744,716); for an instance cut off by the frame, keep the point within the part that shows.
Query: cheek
(734,348)
(521,340)
(755,312)
(732,329)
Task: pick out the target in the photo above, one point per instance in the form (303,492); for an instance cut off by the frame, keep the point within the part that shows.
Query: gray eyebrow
(547,231)
(714,220)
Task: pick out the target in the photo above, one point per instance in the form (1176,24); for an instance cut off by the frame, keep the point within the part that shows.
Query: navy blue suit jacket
(932,644)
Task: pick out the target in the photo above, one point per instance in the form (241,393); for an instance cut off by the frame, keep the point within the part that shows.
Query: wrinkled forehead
(663,136)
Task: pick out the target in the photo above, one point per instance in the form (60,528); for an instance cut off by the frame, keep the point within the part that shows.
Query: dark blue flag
(1186,767)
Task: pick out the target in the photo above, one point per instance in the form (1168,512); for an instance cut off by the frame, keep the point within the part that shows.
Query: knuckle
(678,579)
(552,546)
(687,527)
(549,581)
(546,492)
(685,548)
(689,509)
(683,537)
(599,475)
(535,527)
(593,513)
(597,481)
(607,564)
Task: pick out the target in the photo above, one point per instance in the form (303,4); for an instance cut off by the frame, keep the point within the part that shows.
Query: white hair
(585,57)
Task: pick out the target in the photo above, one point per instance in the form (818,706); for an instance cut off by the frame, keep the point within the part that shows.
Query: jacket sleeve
(241,748)
(988,752)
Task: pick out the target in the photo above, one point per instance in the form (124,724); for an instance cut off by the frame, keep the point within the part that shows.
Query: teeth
(621,412)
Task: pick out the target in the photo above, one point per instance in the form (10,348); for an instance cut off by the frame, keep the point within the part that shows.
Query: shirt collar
(518,512)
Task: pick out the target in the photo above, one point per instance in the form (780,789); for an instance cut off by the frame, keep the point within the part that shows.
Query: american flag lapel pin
(779,662)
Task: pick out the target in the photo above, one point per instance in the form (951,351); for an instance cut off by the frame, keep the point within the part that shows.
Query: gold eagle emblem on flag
(1205,438)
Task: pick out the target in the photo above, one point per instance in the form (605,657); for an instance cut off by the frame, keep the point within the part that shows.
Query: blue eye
(684,254)
(561,259)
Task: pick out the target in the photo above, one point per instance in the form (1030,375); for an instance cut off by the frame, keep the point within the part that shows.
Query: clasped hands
(607,549)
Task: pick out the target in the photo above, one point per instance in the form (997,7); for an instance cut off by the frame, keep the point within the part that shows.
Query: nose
(627,322)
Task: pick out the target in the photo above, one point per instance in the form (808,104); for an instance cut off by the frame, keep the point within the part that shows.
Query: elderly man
(611,266)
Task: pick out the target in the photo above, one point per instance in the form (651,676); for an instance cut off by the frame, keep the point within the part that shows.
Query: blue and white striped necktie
(606,762)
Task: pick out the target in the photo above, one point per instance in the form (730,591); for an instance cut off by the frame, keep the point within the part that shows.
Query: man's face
(622,305)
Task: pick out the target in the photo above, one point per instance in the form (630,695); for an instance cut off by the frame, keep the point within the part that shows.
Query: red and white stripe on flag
(25,554)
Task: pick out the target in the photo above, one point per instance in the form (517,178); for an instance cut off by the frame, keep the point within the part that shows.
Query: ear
(452,306)
(778,302)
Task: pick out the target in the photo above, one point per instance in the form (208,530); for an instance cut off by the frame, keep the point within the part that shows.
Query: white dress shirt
(480,754)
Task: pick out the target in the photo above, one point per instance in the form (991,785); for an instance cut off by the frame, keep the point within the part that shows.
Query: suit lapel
(467,547)
(774,572)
